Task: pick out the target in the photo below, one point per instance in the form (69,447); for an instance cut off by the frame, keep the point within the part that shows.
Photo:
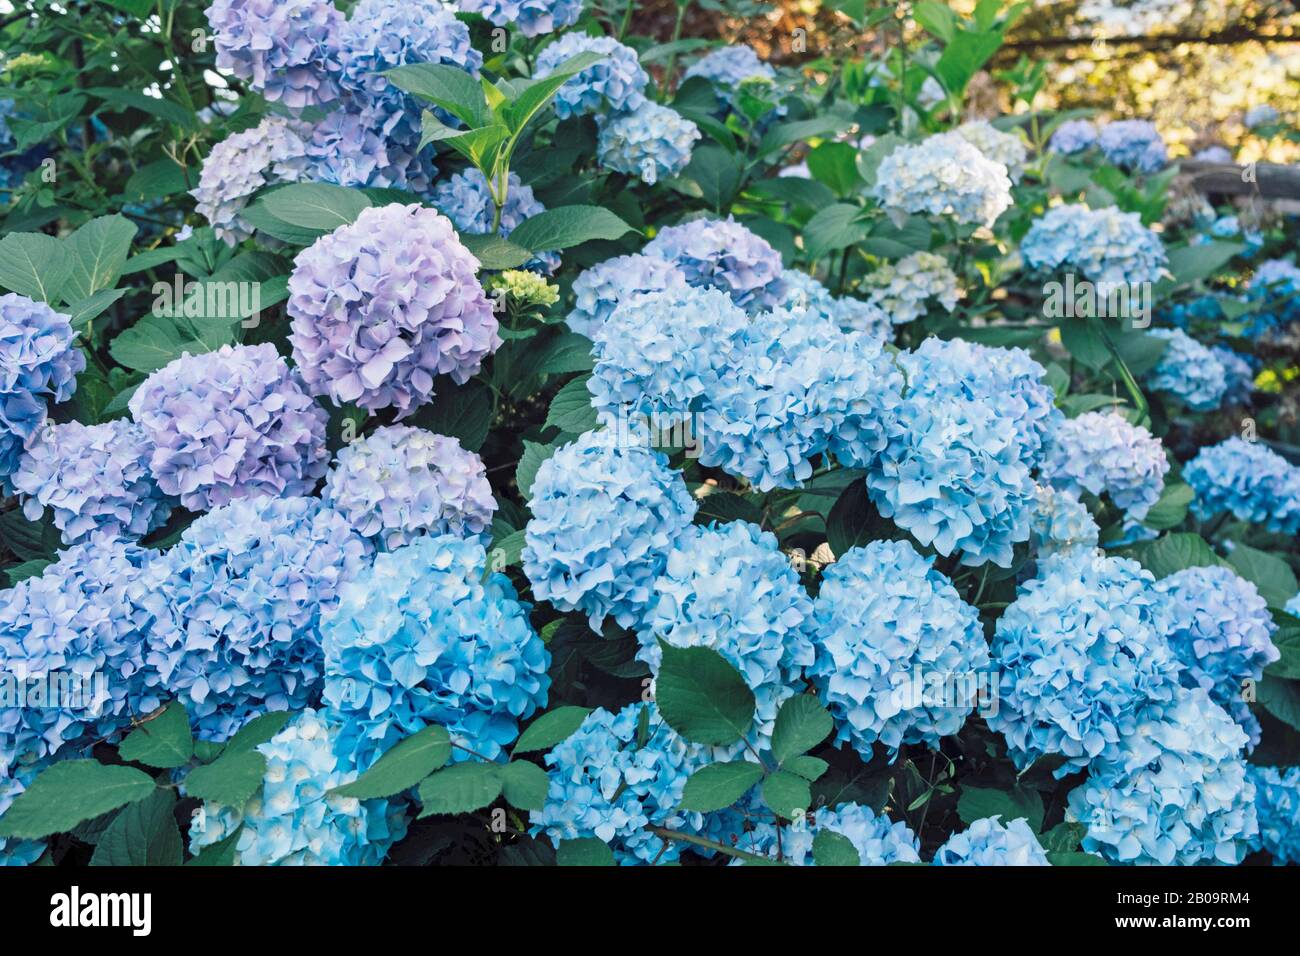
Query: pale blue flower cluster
(1102,452)
(426,635)
(943,175)
(1277,804)
(13,781)
(1261,114)
(1274,292)
(616,83)
(1174,792)
(367,148)
(294,820)
(901,289)
(39,362)
(467,201)
(729,66)
(1238,374)
(898,651)
(607,783)
(92,477)
(272,152)
(1081,651)
(231,424)
(649,141)
(804,294)
(604,519)
(878,840)
(729,587)
(1248,479)
(1133,145)
(530,17)
(990,842)
(723,254)
(1073,136)
(1061,522)
(1188,371)
(598,291)
(1104,245)
(1005,148)
(287,50)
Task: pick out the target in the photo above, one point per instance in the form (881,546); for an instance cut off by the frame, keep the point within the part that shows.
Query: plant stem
(680,837)
(671,68)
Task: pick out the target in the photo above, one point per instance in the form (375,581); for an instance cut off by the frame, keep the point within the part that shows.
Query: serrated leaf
(976,803)
(524,785)
(571,409)
(801,724)
(96,253)
(787,794)
(703,697)
(69,792)
(719,785)
(35,265)
(1171,508)
(551,728)
(1269,573)
(161,741)
(1174,552)
(832,849)
(403,766)
(461,788)
(534,454)
(566,226)
(810,768)
(230,780)
(584,851)
(447,86)
(143,834)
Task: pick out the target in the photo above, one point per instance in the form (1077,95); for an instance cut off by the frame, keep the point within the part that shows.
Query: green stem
(691,838)
(627,19)
(671,68)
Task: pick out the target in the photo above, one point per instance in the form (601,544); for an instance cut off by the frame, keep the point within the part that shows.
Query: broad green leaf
(1174,552)
(1075,859)
(34,265)
(719,785)
(447,86)
(87,310)
(851,519)
(835,165)
(69,792)
(832,228)
(462,412)
(258,731)
(1278,696)
(494,253)
(718,172)
(703,697)
(508,551)
(810,768)
(1082,338)
(566,226)
(787,794)
(524,785)
(794,131)
(584,851)
(831,849)
(403,766)
(801,724)
(1287,640)
(532,458)
(162,740)
(461,788)
(571,409)
(143,834)
(976,803)
(322,207)
(1269,573)
(1171,508)
(230,780)
(1193,263)
(221,853)
(97,253)
(551,728)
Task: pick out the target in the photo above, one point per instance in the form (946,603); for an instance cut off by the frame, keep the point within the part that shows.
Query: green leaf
(1063,838)
(531,97)
(836,165)
(787,794)
(534,454)
(801,724)
(1171,508)
(810,768)
(258,731)
(97,252)
(25,570)
(461,788)
(143,834)
(1082,338)
(571,409)
(261,219)
(69,792)
(155,340)
(718,172)
(551,728)
(794,131)
(84,312)
(831,849)
(511,548)
(447,86)
(976,803)
(724,506)
(403,766)
(34,265)
(1075,859)
(230,780)
(221,853)
(1193,263)
(584,851)
(524,785)
(566,226)
(834,227)
(1287,641)
(703,697)
(1173,552)
(163,740)
(850,521)
(1279,697)
(321,207)
(494,253)
(1273,576)
(719,785)
(462,412)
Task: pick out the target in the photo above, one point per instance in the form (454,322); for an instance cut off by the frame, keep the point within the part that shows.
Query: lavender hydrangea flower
(608,784)
(425,635)
(1005,148)
(1102,452)
(249,582)
(1250,480)
(287,50)
(1073,136)
(989,842)
(467,201)
(1213,154)
(383,305)
(730,66)
(598,291)
(530,17)
(649,141)
(295,819)
(616,83)
(38,361)
(1277,802)
(723,254)
(898,651)
(230,424)
(1175,792)
(399,483)
(1061,522)
(1081,652)
(92,478)
(943,175)
(1189,371)
(900,289)
(365,148)
(1134,145)
(1105,245)
(604,519)
(272,152)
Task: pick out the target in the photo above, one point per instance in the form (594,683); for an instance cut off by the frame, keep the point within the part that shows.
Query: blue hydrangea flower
(729,66)
(1248,479)
(598,291)
(1238,374)
(901,289)
(1261,114)
(1189,371)
(989,842)
(1005,148)
(1213,154)
(272,152)
(366,148)
(1293,606)
(802,387)
(1102,452)
(1277,803)
(13,781)
(82,622)
(425,635)
(399,483)
(1174,792)
(898,651)
(1203,311)
(530,17)
(1134,145)
(1073,136)
(466,200)
(723,254)
(92,478)
(230,424)
(878,840)
(1061,522)
(294,820)
(729,587)
(383,305)
(287,50)
(944,175)
(249,582)
(649,141)
(607,782)
(1274,293)
(604,519)
(1081,651)
(617,82)
(1105,245)
(38,362)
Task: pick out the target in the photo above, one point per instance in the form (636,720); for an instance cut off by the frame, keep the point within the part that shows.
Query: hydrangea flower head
(1081,651)
(1061,522)
(230,424)
(878,840)
(287,50)
(1105,245)
(1134,145)
(1274,292)
(901,289)
(92,477)
(598,291)
(530,17)
(944,175)
(617,82)
(272,152)
(1277,803)
(1189,371)
(383,305)
(893,639)
(399,483)
(1248,479)
(13,781)
(425,635)
(1261,115)
(467,201)
(649,141)
(989,842)
(1102,452)
(1005,148)
(1073,136)
(367,148)
(604,519)
(729,66)
(723,254)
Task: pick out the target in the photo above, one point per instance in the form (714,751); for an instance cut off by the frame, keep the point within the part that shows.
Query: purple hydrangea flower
(1133,144)
(723,254)
(617,82)
(530,17)
(272,152)
(598,291)
(287,50)
(363,148)
(650,141)
(467,201)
